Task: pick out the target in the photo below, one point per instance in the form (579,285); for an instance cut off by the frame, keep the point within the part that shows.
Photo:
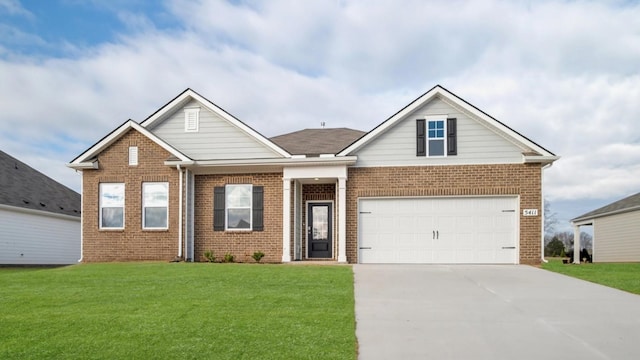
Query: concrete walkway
(490,312)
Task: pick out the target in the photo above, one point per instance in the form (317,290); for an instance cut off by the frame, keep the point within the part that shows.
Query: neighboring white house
(616,230)
(39,217)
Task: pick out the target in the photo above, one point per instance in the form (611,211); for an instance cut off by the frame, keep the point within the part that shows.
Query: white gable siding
(617,238)
(216,138)
(476,143)
(34,239)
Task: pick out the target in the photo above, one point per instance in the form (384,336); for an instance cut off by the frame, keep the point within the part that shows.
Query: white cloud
(565,74)
(14,8)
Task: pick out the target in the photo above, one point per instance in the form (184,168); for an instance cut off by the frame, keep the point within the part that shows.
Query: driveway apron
(490,312)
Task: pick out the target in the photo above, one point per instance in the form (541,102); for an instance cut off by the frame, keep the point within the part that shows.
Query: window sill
(156,230)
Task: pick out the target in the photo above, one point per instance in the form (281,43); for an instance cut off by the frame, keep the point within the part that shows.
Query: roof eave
(583,218)
(528,159)
(294,161)
(89,165)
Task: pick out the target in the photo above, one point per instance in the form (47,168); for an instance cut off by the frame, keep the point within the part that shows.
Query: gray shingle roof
(25,187)
(317,141)
(627,204)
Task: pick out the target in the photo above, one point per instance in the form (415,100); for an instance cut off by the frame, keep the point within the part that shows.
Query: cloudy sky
(564,73)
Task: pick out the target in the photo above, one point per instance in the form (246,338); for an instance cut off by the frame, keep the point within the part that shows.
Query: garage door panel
(438,230)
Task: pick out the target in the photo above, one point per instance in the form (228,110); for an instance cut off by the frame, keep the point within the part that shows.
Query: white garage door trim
(439,230)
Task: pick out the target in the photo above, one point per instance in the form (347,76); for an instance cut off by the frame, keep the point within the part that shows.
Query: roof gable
(86,159)
(629,203)
(24,187)
(450,98)
(154,121)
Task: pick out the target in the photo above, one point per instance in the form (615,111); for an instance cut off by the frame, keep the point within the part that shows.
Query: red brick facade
(132,243)
(522,180)
(241,244)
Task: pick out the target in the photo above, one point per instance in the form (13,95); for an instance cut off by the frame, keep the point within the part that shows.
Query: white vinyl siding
(617,238)
(477,144)
(216,139)
(29,238)
(464,230)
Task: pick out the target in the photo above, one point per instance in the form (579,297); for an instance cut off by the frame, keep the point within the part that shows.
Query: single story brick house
(39,217)
(440,181)
(616,231)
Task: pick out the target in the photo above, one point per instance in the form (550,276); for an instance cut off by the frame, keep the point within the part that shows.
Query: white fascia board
(589,219)
(190,94)
(81,161)
(342,160)
(39,212)
(540,159)
(93,165)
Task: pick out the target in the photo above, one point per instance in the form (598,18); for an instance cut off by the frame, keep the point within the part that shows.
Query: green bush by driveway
(183,311)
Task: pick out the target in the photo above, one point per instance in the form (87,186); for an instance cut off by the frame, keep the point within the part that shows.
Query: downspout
(81,216)
(179,212)
(543,217)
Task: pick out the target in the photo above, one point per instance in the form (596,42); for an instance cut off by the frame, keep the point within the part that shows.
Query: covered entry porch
(314,212)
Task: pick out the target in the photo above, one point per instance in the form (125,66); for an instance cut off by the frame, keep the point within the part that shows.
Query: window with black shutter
(238,207)
(421,140)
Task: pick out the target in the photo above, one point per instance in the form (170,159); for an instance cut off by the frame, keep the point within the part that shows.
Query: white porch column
(342,220)
(576,244)
(286,219)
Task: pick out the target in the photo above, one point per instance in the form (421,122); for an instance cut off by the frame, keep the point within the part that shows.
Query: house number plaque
(530,212)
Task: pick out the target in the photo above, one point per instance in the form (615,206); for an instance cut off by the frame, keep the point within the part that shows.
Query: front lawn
(184,311)
(623,276)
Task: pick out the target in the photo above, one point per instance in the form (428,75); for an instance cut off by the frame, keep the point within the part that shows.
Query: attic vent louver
(191,119)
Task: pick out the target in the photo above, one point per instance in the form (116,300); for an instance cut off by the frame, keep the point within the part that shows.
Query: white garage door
(480,230)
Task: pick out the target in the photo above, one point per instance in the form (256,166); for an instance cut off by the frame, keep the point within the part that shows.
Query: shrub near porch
(158,310)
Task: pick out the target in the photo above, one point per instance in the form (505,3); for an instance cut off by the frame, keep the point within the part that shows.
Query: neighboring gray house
(616,230)
(39,217)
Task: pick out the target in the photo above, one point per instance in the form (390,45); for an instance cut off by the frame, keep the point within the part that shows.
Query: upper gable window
(436,136)
(191,119)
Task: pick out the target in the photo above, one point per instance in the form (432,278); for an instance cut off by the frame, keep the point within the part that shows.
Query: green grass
(184,311)
(623,276)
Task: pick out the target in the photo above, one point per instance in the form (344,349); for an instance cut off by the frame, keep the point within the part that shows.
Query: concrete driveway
(490,312)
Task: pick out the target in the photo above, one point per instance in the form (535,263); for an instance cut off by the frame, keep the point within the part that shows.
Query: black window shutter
(258,208)
(452,141)
(218,208)
(421,139)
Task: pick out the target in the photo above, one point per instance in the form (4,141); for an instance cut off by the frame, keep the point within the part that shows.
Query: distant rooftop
(627,204)
(25,187)
(317,141)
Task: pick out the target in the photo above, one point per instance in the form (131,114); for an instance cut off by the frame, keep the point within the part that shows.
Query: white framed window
(191,119)
(133,155)
(111,206)
(155,205)
(436,136)
(238,200)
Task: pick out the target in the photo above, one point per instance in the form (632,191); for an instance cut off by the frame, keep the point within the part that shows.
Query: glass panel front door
(319,226)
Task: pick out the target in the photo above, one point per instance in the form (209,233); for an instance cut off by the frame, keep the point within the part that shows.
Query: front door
(319,225)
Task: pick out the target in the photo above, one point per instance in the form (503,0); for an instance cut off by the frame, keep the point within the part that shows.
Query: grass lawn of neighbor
(181,310)
(623,276)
